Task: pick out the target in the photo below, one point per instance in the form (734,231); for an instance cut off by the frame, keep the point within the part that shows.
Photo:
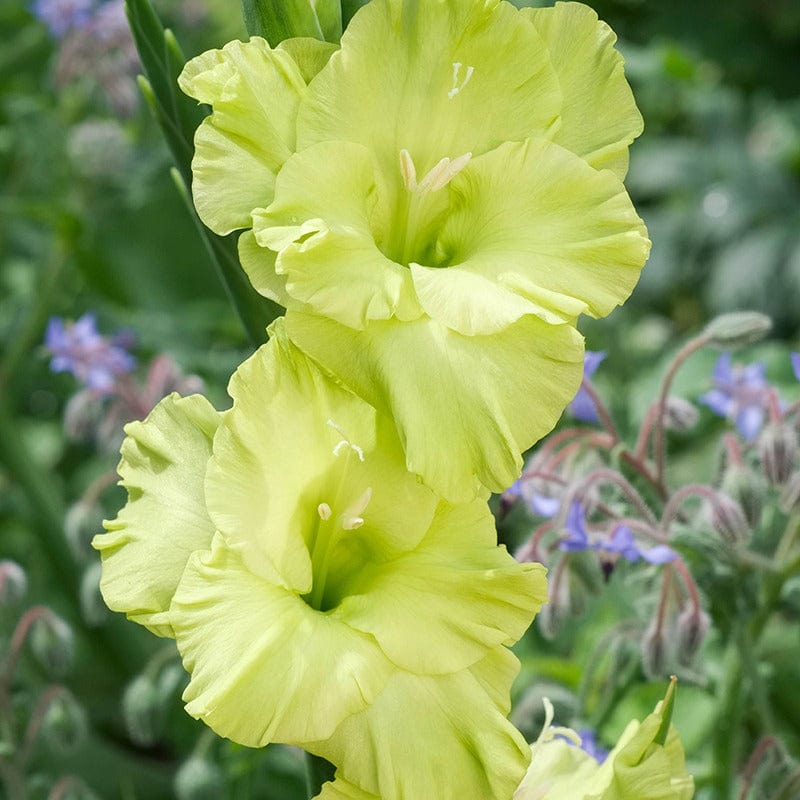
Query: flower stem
(318,771)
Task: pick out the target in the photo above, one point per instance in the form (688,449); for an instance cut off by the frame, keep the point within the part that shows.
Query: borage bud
(680,415)
(654,651)
(51,642)
(82,521)
(693,624)
(63,722)
(747,488)
(728,519)
(143,711)
(94,610)
(777,447)
(198,779)
(13,583)
(789,501)
(730,331)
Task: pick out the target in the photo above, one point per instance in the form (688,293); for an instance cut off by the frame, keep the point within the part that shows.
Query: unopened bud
(199,779)
(81,522)
(51,643)
(740,328)
(693,624)
(143,711)
(13,583)
(557,609)
(748,488)
(64,723)
(728,519)
(777,447)
(789,501)
(680,414)
(94,610)
(654,652)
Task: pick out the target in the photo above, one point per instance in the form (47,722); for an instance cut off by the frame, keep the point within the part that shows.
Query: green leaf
(277,20)
(178,117)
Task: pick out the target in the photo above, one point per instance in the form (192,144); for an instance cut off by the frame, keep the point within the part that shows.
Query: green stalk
(318,771)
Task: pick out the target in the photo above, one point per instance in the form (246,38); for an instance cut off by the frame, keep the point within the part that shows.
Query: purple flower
(623,543)
(795,359)
(590,746)
(93,359)
(739,394)
(582,405)
(62,16)
(577,537)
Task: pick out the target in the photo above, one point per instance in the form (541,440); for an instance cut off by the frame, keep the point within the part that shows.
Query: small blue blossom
(544,506)
(590,746)
(740,394)
(577,537)
(582,406)
(795,358)
(95,360)
(62,16)
(623,543)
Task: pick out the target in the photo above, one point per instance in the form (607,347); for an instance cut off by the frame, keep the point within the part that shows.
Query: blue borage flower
(97,361)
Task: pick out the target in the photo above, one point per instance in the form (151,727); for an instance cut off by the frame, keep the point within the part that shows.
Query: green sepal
(277,20)
(178,117)
(667,704)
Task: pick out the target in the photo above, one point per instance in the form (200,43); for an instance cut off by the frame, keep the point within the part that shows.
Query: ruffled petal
(259,264)
(145,551)
(465,407)
(254,92)
(458,595)
(441,737)
(438,79)
(264,666)
(274,464)
(340,789)
(322,224)
(599,115)
(533,230)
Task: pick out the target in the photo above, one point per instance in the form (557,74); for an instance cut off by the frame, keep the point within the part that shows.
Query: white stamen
(324,511)
(456,72)
(408,170)
(345,443)
(443,173)
(437,177)
(352,519)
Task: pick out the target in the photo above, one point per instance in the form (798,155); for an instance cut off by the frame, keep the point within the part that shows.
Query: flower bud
(52,643)
(748,489)
(789,501)
(64,723)
(740,328)
(654,652)
(693,624)
(680,415)
(82,521)
(198,779)
(143,711)
(728,519)
(13,583)
(94,610)
(777,447)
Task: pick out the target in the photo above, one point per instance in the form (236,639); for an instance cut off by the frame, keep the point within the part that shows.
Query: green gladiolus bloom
(647,763)
(441,195)
(319,593)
